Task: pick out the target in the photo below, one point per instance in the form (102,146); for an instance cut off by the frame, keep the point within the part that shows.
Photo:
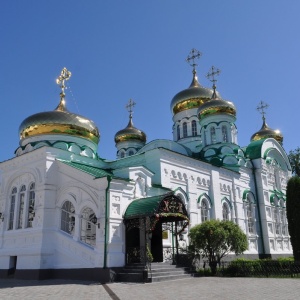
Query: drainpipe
(258,210)
(106,221)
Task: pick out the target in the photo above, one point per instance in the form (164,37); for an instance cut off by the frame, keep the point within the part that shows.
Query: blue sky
(117,50)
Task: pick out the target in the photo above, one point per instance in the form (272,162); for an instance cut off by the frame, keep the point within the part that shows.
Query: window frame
(194,128)
(184,130)
(68,220)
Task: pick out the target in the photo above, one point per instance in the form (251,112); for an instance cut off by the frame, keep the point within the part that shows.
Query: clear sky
(117,50)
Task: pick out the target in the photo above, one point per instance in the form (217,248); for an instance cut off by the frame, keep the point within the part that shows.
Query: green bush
(204,272)
(259,267)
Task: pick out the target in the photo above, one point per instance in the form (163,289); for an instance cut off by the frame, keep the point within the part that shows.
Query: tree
(293,213)
(215,239)
(294,157)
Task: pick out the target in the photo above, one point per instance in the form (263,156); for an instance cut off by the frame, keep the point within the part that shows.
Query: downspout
(106,220)
(258,210)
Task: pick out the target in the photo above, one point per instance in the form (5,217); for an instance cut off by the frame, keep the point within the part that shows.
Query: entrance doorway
(143,220)
(12,266)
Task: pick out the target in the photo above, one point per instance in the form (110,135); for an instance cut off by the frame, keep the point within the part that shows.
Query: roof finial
(129,108)
(211,76)
(192,57)
(64,75)
(261,108)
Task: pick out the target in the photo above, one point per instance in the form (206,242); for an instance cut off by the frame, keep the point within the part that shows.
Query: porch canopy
(165,208)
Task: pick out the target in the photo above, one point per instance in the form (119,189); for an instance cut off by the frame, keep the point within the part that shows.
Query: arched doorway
(143,220)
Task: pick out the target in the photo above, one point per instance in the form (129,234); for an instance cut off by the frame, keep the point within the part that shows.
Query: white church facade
(67,213)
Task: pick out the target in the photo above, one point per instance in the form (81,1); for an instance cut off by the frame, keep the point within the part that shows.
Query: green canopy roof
(143,207)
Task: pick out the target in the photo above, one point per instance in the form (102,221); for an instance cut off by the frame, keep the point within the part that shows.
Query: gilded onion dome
(267,132)
(59,121)
(192,97)
(215,106)
(130,133)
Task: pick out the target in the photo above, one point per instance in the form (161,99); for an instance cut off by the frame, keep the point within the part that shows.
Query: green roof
(93,171)
(253,150)
(143,207)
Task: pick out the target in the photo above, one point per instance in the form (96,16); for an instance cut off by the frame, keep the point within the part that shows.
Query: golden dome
(190,98)
(216,106)
(59,121)
(267,132)
(130,133)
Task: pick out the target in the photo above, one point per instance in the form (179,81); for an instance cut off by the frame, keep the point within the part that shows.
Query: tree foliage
(294,157)
(293,214)
(215,239)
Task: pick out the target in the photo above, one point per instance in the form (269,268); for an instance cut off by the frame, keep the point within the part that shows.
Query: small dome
(59,121)
(267,132)
(215,106)
(130,133)
(190,98)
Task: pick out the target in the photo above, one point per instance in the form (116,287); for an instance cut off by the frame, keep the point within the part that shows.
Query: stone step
(159,272)
(171,271)
(169,277)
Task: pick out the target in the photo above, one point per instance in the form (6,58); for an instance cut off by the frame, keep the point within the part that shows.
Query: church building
(65,212)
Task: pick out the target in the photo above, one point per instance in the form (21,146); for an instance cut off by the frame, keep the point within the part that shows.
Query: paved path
(191,288)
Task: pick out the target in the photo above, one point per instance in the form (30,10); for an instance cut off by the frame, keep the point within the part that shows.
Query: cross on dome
(64,75)
(130,106)
(262,106)
(212,73)
(192,57)
(211,76)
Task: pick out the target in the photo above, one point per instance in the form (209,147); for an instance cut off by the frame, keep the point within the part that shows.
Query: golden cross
(64,75)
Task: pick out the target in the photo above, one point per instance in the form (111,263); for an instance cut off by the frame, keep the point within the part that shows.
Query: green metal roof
(143,207)
(94,171)
(253,150)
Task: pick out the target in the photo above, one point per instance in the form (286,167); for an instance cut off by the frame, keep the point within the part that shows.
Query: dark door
(133,246)
(157,243)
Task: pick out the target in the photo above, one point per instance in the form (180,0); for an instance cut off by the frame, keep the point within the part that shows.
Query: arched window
(12,208)
(224,134)
(204,211)
(21,206)
(225,212)
(130,152)
(184,128)
(213,135)
(194,128)
(178,132)
(250,219)
(88,227)
(30,214)
(68,218)
(122,154)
